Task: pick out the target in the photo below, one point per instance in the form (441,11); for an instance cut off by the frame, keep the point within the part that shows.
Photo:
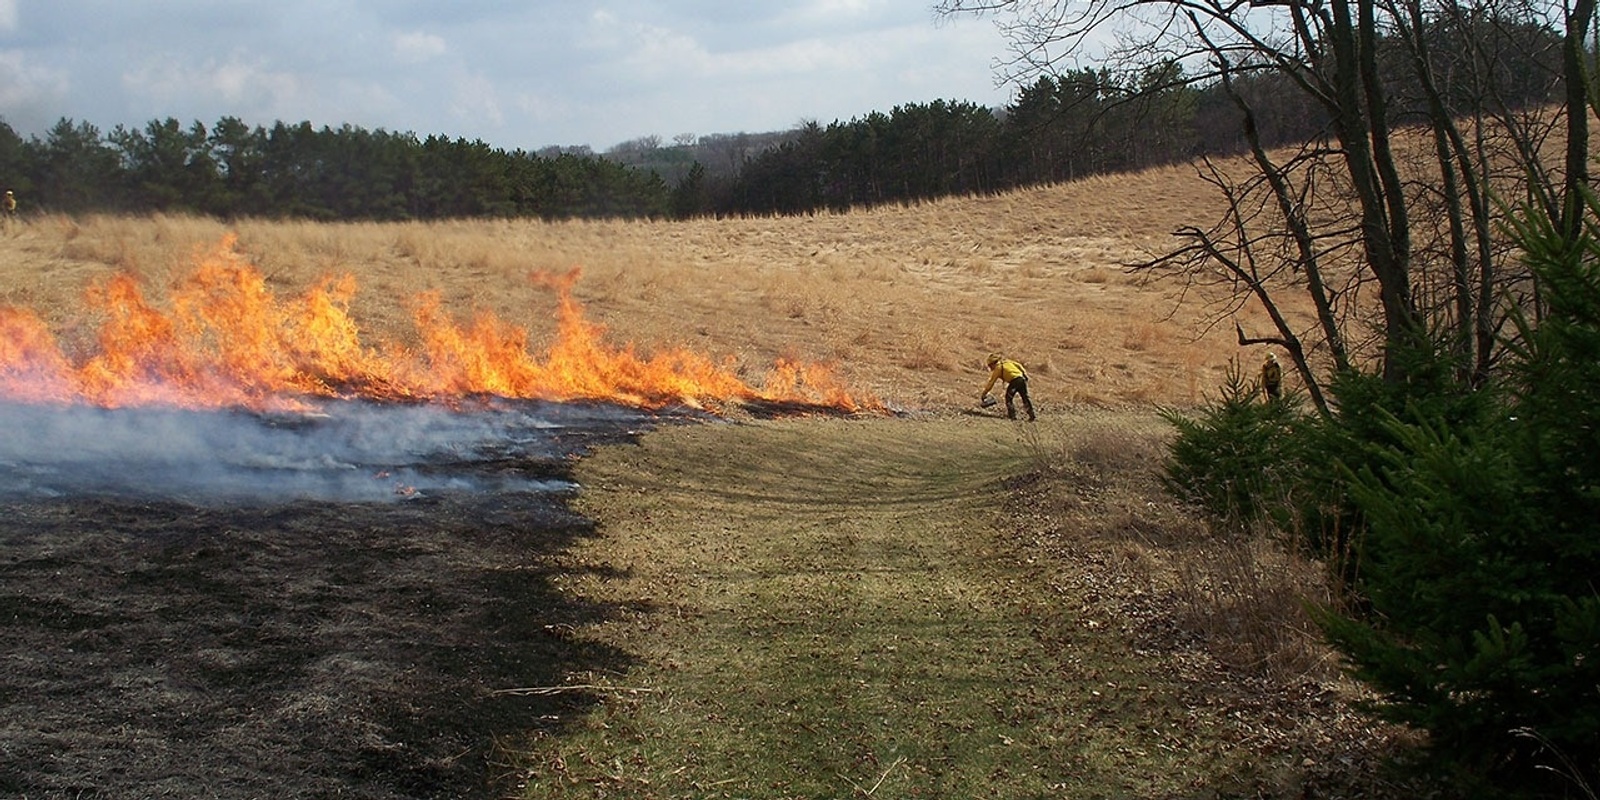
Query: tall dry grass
(1241,596)
(904,300)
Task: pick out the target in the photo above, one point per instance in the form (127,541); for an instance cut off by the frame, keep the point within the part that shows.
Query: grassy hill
(906,301)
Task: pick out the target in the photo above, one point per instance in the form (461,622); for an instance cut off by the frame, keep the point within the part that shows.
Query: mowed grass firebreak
(827,608)
(831,610)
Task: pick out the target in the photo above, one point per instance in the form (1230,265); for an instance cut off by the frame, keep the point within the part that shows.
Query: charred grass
(311,650)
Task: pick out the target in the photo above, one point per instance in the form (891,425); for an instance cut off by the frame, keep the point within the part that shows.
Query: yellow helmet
(993,359)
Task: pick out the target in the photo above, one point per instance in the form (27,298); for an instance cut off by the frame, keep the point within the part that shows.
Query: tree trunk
(1358,113)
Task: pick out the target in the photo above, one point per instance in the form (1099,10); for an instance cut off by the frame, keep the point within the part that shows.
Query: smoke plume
(342,451)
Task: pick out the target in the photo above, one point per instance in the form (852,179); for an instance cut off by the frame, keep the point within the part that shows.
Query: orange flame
(228,342)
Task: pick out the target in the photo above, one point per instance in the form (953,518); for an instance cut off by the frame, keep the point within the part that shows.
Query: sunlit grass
(837,608)
(905,299)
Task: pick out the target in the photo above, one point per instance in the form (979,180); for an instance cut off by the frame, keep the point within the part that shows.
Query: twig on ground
(576,687)
(868,792)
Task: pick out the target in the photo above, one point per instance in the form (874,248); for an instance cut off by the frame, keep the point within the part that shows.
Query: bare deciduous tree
(1396,247)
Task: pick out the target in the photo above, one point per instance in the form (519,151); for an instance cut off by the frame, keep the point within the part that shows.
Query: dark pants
(1018,386)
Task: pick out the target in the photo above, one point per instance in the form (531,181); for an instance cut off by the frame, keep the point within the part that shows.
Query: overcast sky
(515,73)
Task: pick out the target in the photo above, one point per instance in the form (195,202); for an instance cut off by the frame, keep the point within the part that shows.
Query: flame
(226,341)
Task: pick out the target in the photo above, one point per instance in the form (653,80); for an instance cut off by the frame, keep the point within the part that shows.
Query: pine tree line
(1061,127)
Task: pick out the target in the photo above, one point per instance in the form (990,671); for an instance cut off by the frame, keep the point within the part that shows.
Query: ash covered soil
(310,650)
(240,647)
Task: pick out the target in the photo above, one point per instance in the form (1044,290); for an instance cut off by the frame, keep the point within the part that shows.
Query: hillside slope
(906,301)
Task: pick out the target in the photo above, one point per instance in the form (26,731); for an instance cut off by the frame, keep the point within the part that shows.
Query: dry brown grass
(1242,595)
(905,300)
(892,614)
(1247,596)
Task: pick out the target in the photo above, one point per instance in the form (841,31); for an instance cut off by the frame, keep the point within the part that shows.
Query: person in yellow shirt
(1016,381)
(11,204)
(1272,377)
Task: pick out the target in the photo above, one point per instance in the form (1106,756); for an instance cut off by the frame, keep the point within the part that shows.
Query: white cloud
(475,98)
(514,74)
(239,82)
(818,11)
(543,107)
(415,48)
(667,55)
(31,97)
(604,31)
(8,16)
(165,81)
(21,83)
(848,7)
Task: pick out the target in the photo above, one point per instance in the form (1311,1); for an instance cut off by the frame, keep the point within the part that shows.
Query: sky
(516,74)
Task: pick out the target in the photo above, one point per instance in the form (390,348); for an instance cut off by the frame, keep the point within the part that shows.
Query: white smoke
(344,451)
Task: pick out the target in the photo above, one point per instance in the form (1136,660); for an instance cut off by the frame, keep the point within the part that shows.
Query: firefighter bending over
(1016,381)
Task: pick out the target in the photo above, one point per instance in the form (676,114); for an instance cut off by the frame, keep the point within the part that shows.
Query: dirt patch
(310,650)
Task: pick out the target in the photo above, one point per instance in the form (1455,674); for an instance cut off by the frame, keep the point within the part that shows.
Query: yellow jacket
(1271,373)
(1007,371)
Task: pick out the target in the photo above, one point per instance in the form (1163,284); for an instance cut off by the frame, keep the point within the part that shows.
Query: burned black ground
(233,640)
(311,650)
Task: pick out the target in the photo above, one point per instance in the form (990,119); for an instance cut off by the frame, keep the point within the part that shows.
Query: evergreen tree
(1481,615)
(73,169)
(13,162)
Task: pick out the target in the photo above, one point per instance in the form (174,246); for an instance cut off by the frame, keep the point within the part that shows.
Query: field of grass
(935,603)
(825,608)
(904,301)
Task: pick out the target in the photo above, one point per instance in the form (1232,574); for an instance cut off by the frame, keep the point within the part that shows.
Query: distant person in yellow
(1272,377)
(1016,381)
(11,204)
